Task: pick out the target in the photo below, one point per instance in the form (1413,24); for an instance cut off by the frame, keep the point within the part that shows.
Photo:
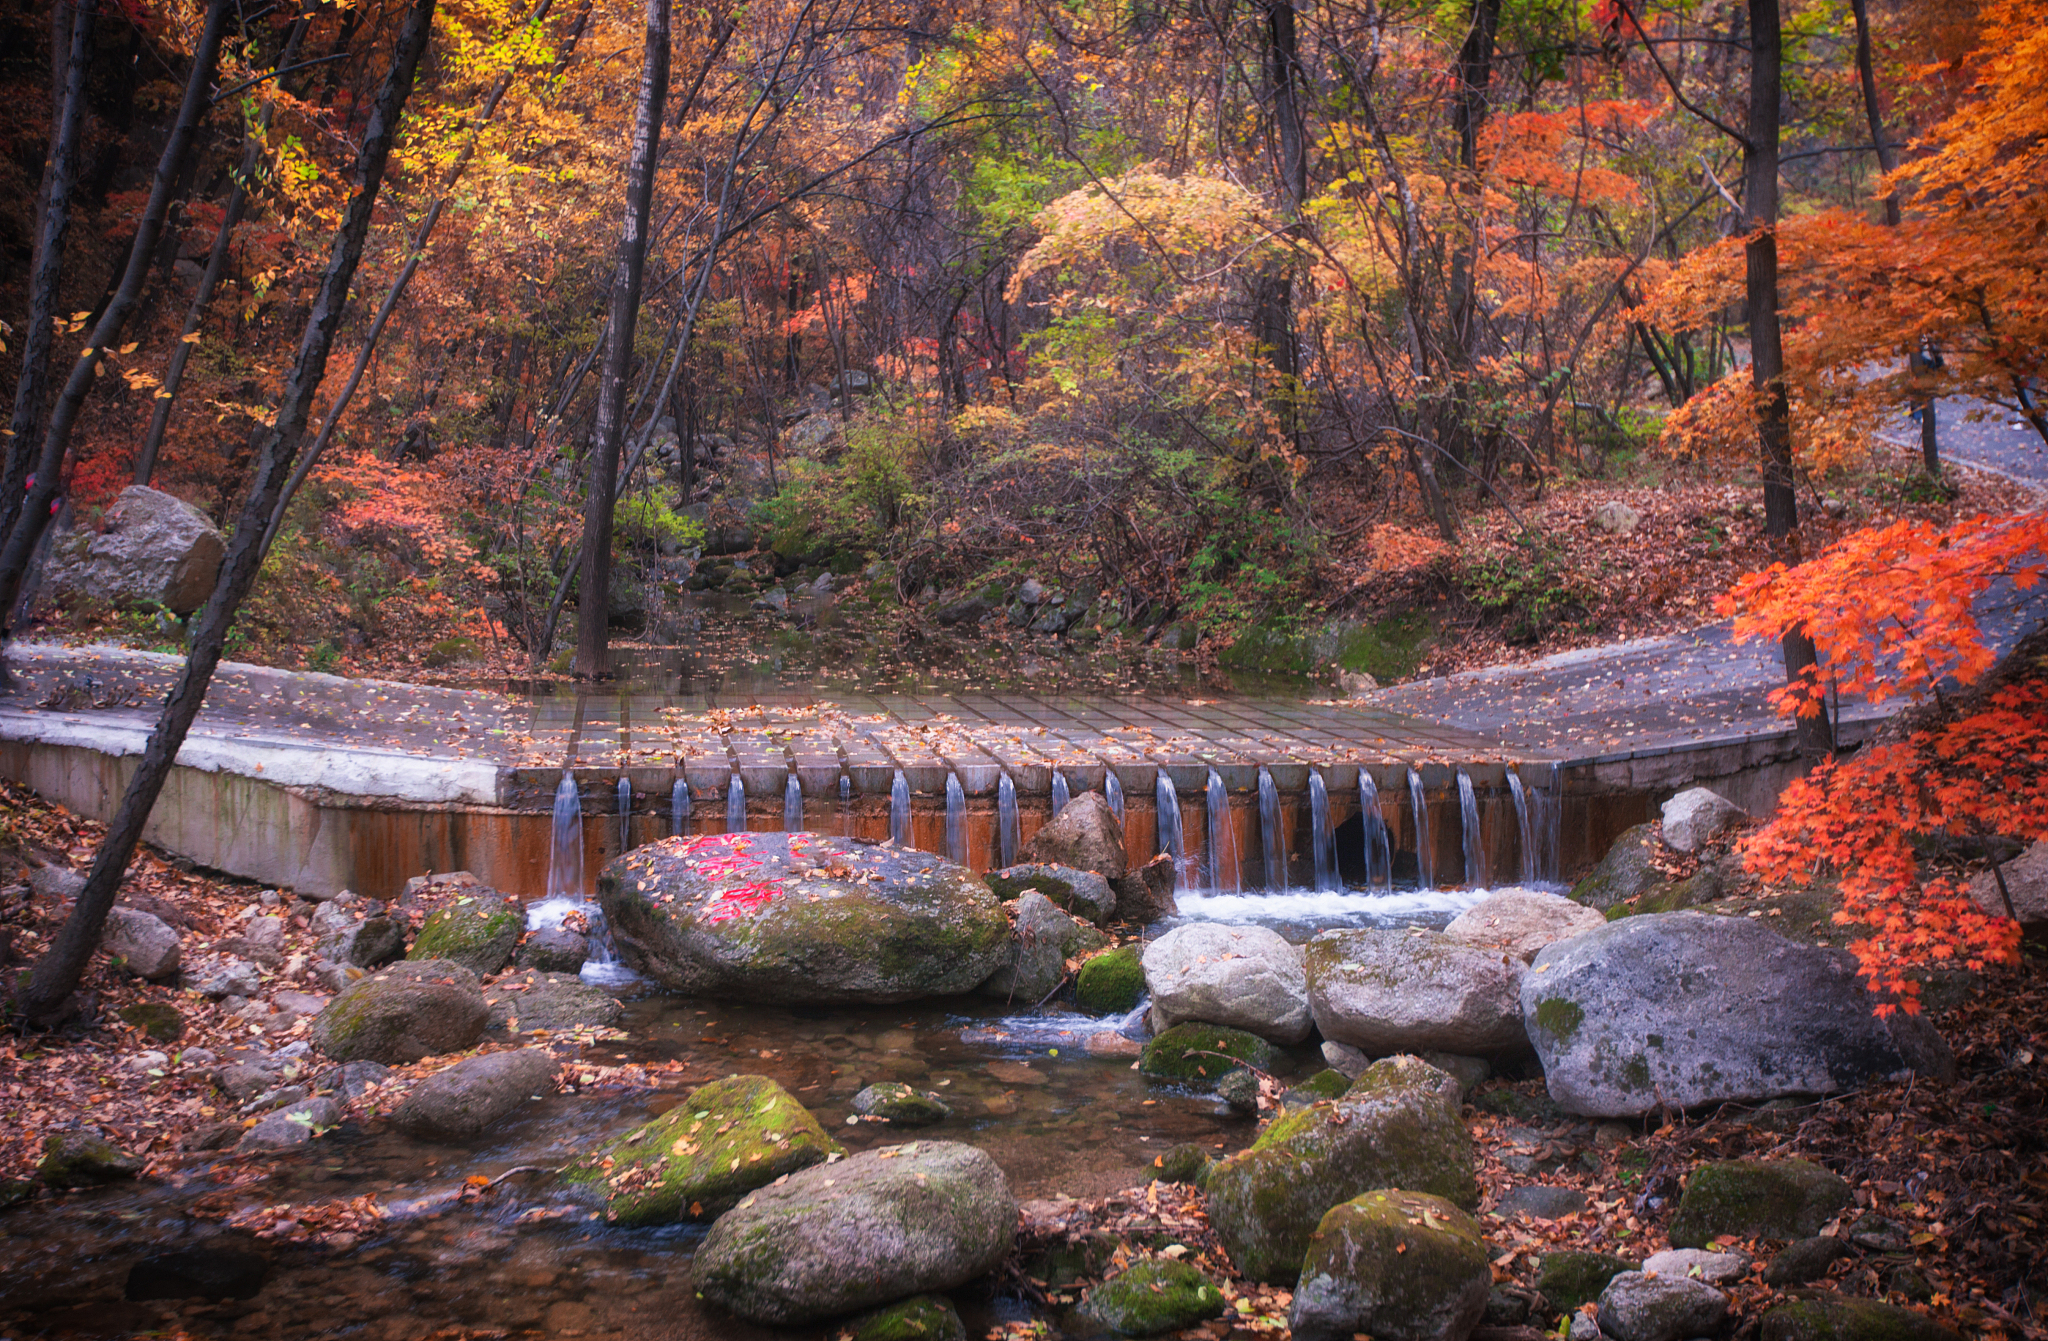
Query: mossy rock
(1624,873)
(1185,1163)
(926,1317)
(1780,1199)
(478,933)
(1112,983)
(1388,649)
(1186,1054)
(413,1009)
(697,1160)
(1324,1084)
(1826,1316)
(1569,1279)
(1396,1265)
(159,1023)
(533,1000)
(1400,1131)
(84,1157)
(1155,1296)
(1062,1263)
(1083,894)
(901,1105)
(15,1192)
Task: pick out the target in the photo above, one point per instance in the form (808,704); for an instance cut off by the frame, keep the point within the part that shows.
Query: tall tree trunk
(1767,347)
(35,509)
(1887,157)
(57,973)
(60,171)
(216,263)
(1468,117)
(1273,290)
(595,581)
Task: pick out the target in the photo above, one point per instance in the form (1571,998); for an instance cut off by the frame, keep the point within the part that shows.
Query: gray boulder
(414,1009)
(1625,873)
(554,950)
(1249,978)
(56,884)
(1085,835)
(1398,1266)
(897,1103)
(1082,893)
(368,944)
(1696,816)
(292,1126)
(470,1097)
(151,548)
(1680,1009)
(1615,518)
(1698,1264)
(2026,884)
(836,1238)
(1398,1127)
(1522,921)
(225,978)
(1415,991)
(1639,1306)
(528,1000)
(1541,1201)
(801,918)
(1043,939)
(147,946)
(476,931)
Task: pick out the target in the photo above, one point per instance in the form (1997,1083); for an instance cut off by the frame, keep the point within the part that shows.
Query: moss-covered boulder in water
(1397,1129)
(697,1160)
(1399,1266)
(1569,1279)
(1082,893)
(1826,1316)
(413,1009)
(1188,1054)
(477,931)
(1111,983)
(927,1317)
(837,1238)
(897,1103)
(84,1157)
(798,917)
(1757,1198)
(1184,1163)
(1625,873)
(1154,1296)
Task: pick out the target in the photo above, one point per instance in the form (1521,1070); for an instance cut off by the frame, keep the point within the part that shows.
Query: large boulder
(1628,871)
(2026,884)
(1522,921)
(476,931)
(1415,991)
(1648,1306)
(1111,983)
(1085,835)
(1202,1054)
(1154,1296)
(1825,1315)
(800,918)
(1042,940)
(470,1097)
(1782,1199)
(840,1237)
(1696,816)
(414,1009)
(531,1000)
(1249,978)
(147,946)
(368,944)
(1396,1128)
(1082,893)
(698,1159)
(84,1157)
(1399,1266)
(152,548)
(1672,1010)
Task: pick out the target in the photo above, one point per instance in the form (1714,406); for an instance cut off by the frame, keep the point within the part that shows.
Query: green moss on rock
(925,1317)
(1395,1265)
(84,1157)
(1826,1316)
(1559,1017)
(1155,1296)
(1185,1163)
(477,933)
(1110,983)
(1753,1198)
(1625,873)
(697,1160)
(158,1022)
(901,1105)
(1187,1054)
(1569,1279)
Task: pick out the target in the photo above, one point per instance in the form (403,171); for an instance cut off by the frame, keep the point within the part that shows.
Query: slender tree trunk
(1866,74)
(594,583)
(60,171)
(1468,117)
(216,263)
(1767,348)
(1273,296)
(57,973)
(35,510)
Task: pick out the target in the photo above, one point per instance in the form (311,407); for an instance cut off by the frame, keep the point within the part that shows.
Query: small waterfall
(1060,794)
(1271,836)
(899,810)
(1324,835)
(1524,822)
(956,819)
(845,805)
(735,805)
(678,807)
(1113,792)
(1167,801)
(1006,820)
(1223,865)
(1552,797)
(625,814)
(792,805)
(1379,847)
(565,844)
(1468,830)
(1425,859)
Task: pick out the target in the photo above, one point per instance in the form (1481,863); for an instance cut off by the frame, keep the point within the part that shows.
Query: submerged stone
(797,917)
(901,1105)
(1155,1296)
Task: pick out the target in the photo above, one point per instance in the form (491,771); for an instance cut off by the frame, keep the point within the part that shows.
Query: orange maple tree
(1893,612)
